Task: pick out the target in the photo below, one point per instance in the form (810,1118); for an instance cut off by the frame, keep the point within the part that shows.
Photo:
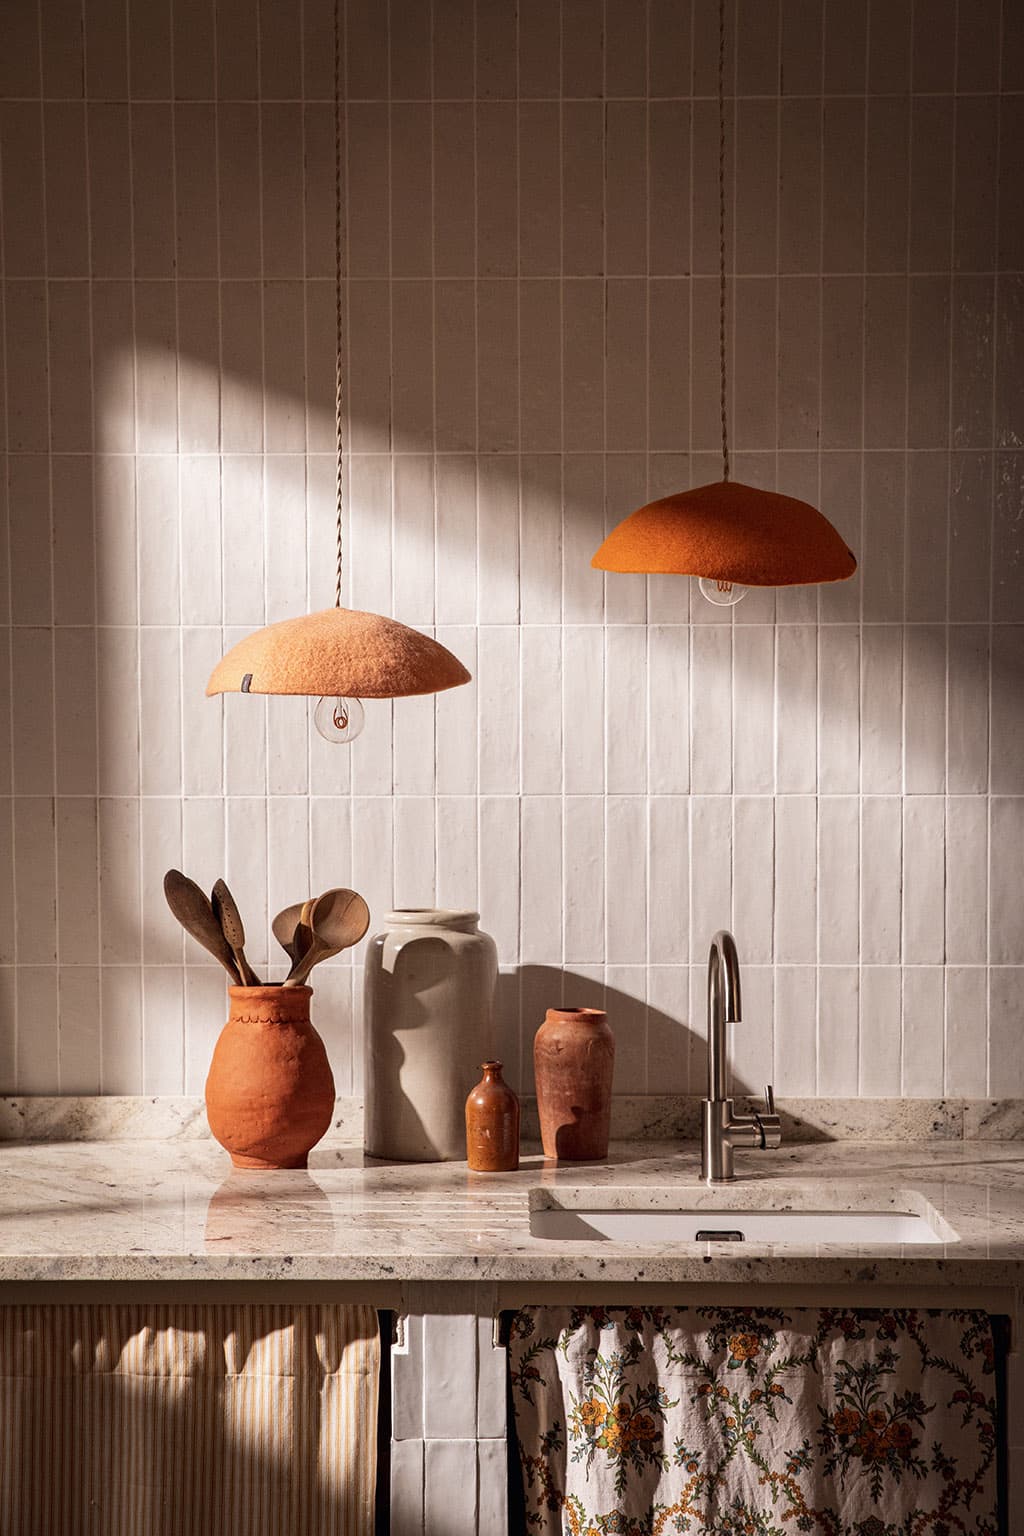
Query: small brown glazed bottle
(492,1123)
(573,1061)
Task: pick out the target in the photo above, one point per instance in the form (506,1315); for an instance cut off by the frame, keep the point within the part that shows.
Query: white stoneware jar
(429,1022)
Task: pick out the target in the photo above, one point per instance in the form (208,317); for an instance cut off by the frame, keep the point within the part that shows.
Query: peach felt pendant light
(731,535)
(339,654)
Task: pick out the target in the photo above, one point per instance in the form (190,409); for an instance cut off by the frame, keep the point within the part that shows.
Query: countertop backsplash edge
(656,1117)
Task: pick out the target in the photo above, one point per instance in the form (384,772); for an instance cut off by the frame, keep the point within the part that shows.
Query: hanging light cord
(338,317)
(721,235)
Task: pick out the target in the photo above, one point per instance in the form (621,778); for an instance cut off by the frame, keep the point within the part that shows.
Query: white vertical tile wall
(530,253)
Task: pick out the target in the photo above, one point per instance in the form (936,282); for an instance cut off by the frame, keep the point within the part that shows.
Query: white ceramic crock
(429,1021)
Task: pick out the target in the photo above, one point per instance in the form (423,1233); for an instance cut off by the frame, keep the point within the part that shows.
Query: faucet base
(721,1132)
(716,1160)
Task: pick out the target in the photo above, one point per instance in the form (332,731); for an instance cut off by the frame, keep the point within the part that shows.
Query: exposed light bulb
(339,720)
(724,594)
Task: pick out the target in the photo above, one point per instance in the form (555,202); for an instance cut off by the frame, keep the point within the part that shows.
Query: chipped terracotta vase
(270,1091)
(573,1063)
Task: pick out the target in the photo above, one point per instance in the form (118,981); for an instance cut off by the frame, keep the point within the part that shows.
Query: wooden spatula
(192,908)
(225,909)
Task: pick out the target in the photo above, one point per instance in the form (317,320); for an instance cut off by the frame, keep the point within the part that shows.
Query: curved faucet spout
(721,1128)
(724,1007)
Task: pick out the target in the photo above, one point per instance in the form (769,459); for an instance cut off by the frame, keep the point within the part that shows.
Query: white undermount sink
(652,1226)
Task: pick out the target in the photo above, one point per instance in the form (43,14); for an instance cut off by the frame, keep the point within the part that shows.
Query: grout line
(527,277)
(389,203)
(137,553)
(95,563)
(307,489)
(609,522)
(765,795)
(562,487)
(508,453)
(819,606)
(183,1028)
(993,501)
(539,100)
(904,575)
(433,406)
(263,724)
(860,594)
(47,321)
(753,624)
(12,882)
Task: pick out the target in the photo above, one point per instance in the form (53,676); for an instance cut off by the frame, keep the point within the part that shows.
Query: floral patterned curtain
(747,1421)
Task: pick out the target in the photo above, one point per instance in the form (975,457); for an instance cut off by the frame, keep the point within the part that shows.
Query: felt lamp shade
(729,532)
(341,652)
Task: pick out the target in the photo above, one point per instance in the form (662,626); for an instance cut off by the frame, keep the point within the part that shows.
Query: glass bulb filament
(720,591)
(338,720)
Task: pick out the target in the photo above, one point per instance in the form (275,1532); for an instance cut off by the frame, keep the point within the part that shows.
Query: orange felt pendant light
(728,531)
(731,535)
(340,655)
(338,651)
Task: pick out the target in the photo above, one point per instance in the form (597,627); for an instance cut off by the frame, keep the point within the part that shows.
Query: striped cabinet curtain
(743,1421)
(188,1420)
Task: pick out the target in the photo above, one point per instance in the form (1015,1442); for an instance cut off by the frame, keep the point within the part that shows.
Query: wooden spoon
(195,914)
(337,921)
(225,909)
(291,928)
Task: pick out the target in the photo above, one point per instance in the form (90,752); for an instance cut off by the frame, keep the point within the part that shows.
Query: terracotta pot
(492,1123)
(270,1092)
(429,1015)
(573,1062)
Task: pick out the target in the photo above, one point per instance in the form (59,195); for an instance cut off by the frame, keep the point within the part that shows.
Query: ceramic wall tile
(923,880)
(880,1032)
(838,1030)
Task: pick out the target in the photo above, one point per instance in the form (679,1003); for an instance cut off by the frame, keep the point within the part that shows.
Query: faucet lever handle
(768,1123)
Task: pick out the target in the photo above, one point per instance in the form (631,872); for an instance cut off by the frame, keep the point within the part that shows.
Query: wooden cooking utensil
(192,908)
(338,920)
(225,909)
(291,928)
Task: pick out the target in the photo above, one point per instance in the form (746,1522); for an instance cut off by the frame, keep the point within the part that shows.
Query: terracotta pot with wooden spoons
(270,1091)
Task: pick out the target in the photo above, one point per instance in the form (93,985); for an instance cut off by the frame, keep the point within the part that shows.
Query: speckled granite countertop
(174,1211)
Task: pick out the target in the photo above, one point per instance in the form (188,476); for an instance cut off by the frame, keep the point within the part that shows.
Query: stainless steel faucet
(721,1129)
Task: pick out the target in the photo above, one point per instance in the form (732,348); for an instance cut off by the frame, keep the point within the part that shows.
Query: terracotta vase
(429,1015)
(573,1062)
(270,1092)
(492,1123)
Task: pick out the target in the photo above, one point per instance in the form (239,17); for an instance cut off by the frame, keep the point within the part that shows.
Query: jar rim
(431,917)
